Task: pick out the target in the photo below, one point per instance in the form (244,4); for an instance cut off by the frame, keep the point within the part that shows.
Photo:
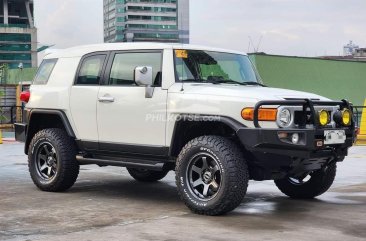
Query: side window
(44,71)
(91,70)
(124,64)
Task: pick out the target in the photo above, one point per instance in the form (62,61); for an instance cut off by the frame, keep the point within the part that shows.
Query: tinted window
(44,71)
(124,64)
(208,66)
(90,71)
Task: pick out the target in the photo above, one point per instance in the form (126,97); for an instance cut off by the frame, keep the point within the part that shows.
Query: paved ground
(106,204)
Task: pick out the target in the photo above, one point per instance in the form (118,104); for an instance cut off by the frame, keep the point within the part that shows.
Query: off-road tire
(144,175)
(234,178)
(318,184)
(65,153)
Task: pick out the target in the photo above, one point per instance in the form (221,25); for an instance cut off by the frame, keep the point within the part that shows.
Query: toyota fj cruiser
(202,112)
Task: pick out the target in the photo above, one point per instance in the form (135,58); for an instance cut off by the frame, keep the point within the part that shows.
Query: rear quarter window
(44,71)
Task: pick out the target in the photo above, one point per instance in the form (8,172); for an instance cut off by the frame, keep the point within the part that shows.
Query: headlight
(284,118)
(346,117)
(323,117)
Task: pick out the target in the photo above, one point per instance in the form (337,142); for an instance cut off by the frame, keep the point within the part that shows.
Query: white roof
(79,51)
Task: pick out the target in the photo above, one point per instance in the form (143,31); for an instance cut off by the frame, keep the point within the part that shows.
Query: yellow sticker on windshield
(181,53)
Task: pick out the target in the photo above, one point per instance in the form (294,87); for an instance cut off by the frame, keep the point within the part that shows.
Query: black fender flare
(58,113)
(230,122)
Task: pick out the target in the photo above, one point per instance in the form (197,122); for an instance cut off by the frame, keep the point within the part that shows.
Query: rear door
(83,97)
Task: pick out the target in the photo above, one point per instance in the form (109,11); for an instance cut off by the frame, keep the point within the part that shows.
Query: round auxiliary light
(284,118)
(346,117)
(323,117)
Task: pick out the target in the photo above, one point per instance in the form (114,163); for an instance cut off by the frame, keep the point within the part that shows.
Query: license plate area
(334,137)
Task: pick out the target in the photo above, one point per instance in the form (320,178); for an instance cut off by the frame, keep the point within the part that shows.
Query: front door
(127,120)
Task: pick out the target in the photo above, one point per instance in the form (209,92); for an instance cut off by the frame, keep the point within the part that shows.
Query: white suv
(158,107)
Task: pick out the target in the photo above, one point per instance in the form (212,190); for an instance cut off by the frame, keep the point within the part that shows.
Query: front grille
(303,120)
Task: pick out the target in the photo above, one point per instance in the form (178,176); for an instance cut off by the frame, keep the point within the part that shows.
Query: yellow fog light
(346,117)
(323,117)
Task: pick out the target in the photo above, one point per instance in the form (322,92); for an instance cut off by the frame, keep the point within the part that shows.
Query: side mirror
(144,76)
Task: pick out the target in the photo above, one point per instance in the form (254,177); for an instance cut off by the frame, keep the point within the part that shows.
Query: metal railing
(10,115)
(358,110)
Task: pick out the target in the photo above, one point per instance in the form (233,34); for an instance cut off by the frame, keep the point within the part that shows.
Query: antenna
(259,44)
(252,43)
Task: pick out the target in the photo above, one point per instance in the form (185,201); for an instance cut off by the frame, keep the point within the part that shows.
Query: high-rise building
(146,20)
(18,36)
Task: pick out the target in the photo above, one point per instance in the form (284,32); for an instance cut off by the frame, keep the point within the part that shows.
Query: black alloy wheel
(204,175)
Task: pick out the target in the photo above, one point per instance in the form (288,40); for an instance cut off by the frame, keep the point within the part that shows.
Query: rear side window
(90,70)
(44,71)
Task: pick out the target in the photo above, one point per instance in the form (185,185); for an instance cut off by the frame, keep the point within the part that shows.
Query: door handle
(106,99)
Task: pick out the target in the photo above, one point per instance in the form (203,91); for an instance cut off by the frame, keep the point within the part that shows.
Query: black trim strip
(87,145)
(137,149)
(123,149)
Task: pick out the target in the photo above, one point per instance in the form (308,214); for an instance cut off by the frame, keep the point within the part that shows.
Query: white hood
(250,92)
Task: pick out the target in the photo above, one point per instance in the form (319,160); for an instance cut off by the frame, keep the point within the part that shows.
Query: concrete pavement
(107,204)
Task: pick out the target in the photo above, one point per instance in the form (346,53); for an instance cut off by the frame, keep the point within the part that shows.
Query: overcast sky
(286,27)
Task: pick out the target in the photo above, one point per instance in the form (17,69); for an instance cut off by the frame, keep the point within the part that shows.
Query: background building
(351,52)
(146,20)
(18,36)
(349,49)
(360,53)
(335,79)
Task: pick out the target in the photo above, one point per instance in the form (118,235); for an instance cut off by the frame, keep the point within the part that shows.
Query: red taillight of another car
(24,96)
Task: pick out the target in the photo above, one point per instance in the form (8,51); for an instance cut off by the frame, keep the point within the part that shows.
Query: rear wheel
(51,160)
(211,175)
(144,175)
(309,186)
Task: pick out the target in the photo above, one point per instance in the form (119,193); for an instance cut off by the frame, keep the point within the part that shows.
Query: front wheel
(211,175)
(309,186)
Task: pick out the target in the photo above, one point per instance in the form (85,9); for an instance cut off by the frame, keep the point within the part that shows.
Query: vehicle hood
(251,92)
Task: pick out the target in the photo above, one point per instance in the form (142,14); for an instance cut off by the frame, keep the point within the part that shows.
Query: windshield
(213,67)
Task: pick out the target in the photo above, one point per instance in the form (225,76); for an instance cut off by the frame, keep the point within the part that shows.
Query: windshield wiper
(253,83)
(222,81)
(237,82)
(196,81)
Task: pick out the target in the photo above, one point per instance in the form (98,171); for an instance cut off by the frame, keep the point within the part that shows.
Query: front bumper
(20,131)
(268,141)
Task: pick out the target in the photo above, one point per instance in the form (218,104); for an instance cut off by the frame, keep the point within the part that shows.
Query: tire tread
(237,172)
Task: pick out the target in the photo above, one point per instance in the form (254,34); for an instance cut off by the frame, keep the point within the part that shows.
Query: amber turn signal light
(264,114)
